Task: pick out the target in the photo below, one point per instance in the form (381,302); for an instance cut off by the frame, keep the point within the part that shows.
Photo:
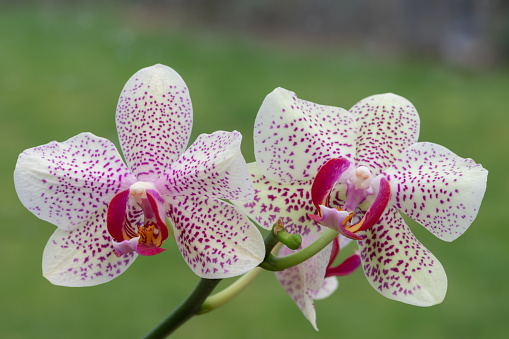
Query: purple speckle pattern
(84,256)
(154,120)
(388,124)
(329,286)
(305,280)
(64,183)
(213,166)
(274,200)
(398,266)
(430,184)
(71,184)
(438,189)
(216,240)
(294,137)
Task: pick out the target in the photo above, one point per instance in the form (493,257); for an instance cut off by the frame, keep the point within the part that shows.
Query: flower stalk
(185,311)
(219,299)
(199,301)
(274,263)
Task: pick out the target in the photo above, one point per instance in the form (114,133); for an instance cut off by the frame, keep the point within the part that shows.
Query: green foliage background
(61,72)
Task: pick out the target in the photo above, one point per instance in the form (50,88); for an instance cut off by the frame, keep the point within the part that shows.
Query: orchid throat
(126,206)
(359,185)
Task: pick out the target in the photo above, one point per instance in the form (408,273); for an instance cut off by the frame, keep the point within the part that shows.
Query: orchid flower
(107,213)
(294,138)
(315,278)
(391,172)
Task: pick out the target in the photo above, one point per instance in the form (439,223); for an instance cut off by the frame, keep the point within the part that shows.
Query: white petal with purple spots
(398,266)
(212,166)
(216,240)
(329,286)
(388,124)
(64,183)
(294,137)
(303,281)
(316,266)
(438,189)
(83,257)
(274,200)
(154,120)
(293,281)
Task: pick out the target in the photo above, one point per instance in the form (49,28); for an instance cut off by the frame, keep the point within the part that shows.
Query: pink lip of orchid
(378,136)
(107,213)
(358,188)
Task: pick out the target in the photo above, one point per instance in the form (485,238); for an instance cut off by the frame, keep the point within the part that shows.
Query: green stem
(219,299)
(189,308)
(199,302)
(274,263)
(271,240)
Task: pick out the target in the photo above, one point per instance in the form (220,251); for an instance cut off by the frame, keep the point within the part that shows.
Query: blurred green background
(61,72)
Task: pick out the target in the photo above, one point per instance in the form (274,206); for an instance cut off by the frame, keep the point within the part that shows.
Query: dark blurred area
(473,34)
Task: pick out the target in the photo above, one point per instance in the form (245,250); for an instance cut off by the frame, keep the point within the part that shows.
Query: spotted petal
(330,285)
(154,120)
(388,124)
(83,257)
(212,166)
(398,266)
(294,137)
(216,240)
(305,280)
(64,183)
(438,189)
(273,200)
(293,281)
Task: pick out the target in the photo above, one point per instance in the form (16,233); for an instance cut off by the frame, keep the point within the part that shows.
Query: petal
(388,124)
(315,266)
(398,266)
(438,189)
(303,281)
(216,240)
(330,285)
(212,166)
(64,183)
(116,217)
(274,200)
(347,267)
(154,120)
(85,256)
(326,179)
(293,281)
(157,212)
(335,250)
(294,137)
(148,250)
(343,241)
